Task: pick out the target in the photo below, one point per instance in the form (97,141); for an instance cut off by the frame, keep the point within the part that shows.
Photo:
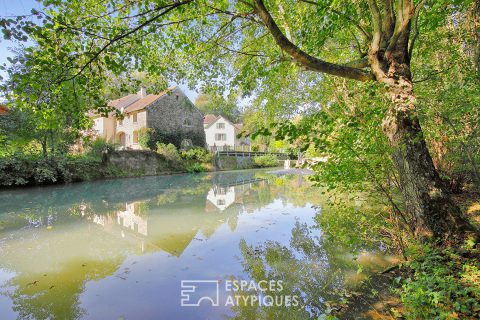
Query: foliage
(169,151)
(98,147)
(158,136)
(53,114)
(144,137)
(268,160)
(449,98)
(127,82)
(197,154)
(195,168)
(444,285)
(214,103)
(21,169)
(344,212)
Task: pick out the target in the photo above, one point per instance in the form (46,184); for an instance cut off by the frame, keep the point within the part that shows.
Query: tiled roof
(134,102)
(142,103)
(209,118)
(124,101)
(3,109)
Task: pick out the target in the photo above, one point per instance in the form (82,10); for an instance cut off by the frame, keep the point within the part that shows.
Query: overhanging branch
(304,59)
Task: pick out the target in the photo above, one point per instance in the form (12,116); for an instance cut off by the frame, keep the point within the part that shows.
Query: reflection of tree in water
(46,296)
(309,268)
(166,203)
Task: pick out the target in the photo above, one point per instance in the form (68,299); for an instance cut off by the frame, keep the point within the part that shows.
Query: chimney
(142,93)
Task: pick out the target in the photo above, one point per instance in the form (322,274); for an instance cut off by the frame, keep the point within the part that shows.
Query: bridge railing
(280,156)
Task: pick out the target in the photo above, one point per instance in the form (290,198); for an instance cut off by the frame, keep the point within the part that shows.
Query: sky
(20,7)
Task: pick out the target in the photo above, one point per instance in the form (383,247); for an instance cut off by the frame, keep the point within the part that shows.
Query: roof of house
(210,119)
(3,109)
(142,103)
(134,102)
(123,102)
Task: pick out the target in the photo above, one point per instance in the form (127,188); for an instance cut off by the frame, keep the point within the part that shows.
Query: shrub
(176,138)
(197,154)
(144,137)
(98,146)
(169,151)
(268,160)
(195,168)
(20,169)
(444,286)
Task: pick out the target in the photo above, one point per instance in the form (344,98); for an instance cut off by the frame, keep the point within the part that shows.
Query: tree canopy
(281,54)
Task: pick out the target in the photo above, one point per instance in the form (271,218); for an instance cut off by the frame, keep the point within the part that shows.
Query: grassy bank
(29,169)
(434,282)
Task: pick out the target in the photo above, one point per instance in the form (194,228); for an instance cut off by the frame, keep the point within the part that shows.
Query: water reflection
(119,248)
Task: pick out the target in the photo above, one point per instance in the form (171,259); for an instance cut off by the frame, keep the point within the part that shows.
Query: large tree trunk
(426,196)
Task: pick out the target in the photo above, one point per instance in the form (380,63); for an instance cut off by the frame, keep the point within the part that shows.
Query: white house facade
(221,134)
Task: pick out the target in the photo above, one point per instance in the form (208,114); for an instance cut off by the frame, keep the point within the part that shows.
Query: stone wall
(234,163)
(175,116)
(140,162)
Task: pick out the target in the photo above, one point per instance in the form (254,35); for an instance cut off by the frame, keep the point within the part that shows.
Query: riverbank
(21,170)
(434,283)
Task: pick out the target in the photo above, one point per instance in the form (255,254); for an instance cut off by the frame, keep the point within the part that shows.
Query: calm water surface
(119,249)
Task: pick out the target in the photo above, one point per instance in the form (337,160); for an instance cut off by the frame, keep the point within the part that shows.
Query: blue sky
(20,7)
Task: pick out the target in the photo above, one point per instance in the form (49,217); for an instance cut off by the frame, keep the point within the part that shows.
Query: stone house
(221,134)
(170,115)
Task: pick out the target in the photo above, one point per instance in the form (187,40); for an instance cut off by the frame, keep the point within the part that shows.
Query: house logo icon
(194,292)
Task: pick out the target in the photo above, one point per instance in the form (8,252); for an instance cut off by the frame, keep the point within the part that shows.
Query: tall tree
(219,106)
(245,41)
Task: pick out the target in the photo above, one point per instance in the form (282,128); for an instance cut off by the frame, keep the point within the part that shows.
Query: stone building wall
(140,162)
(175,116)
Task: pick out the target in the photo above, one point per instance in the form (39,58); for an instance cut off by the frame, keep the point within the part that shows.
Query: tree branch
(124,35)
(304,59)
(365,33)
(416,28)
(405,13)
(359,63)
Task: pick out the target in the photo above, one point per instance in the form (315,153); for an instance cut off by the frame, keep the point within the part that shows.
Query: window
(135,136)
(134,118)
(187,122)
(220,125)
(220,202)
(220,137)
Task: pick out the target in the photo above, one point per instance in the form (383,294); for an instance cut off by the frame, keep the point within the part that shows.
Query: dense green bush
(144,137)
(156,136)
(98,146)
(21,169)
(444,285)
(169,151)
(195,168)
(197,154)
(268,160)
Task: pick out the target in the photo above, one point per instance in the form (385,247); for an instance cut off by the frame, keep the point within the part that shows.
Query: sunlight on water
(119,249)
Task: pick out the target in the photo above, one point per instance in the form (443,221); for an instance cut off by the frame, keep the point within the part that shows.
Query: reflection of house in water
(222,196)
(128,218)
(131,219)
(171,226)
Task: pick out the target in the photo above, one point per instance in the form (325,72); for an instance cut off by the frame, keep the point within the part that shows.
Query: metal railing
(280,156)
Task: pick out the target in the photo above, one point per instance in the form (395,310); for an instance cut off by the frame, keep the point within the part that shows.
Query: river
(241,245)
